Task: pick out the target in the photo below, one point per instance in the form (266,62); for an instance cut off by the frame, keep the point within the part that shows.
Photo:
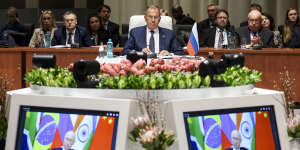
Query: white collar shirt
(72,38)
(225,41)
(156,39)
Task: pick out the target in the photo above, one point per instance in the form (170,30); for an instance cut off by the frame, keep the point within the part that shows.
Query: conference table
(15,62)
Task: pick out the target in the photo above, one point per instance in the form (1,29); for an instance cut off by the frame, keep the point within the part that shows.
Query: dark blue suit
(167,41)
(81,37)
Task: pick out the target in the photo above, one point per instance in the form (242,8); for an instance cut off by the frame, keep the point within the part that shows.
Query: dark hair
(221,10)
(103,6)
(259,8)
(271,19)
(209,5)
(69,13)
(88,22)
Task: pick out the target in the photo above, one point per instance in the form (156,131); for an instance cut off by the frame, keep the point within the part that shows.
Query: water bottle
(101,51)
(231,41)
(109,49)
(47,39)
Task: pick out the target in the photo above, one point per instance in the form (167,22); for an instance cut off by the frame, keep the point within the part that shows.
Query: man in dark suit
(71,33)
(13,21)
(236,141)
(151,38)
(254,34)
(210,21)
(180,17)
(253,6)
(219,36)
(111,27)
(69,140)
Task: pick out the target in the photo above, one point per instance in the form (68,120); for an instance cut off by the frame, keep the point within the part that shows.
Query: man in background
(253,6)
(111,27)
(180,17)
(236,141)
(210,21)
(13,21)
(254,34)
(217,37)
(71,33)
(151,38)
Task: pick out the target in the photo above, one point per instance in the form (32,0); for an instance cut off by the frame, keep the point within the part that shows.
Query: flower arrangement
(294,126)
(149,135)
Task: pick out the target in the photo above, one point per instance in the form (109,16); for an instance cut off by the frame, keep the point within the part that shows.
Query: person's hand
(255,41)
(164,53)
(147,50)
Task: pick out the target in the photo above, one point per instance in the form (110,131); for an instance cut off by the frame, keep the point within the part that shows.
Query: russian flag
(193,44)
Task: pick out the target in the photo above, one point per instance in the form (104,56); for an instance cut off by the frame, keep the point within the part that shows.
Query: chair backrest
(138,20)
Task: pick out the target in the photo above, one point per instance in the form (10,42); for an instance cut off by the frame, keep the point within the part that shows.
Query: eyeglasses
(153,17)
(254,20)
(222,17)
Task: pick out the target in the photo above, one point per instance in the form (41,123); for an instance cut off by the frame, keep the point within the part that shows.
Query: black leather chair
(182,33)
(19,37)
(125,28)
(29,28)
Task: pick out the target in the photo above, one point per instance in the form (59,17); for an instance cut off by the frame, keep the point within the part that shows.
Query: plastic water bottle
(109,49)
(101,51)
(47,39)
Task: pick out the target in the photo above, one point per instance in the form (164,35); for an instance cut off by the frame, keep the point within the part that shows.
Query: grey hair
(153,7)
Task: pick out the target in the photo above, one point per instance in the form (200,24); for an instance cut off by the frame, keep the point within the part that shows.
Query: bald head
(254,20)
(236,139)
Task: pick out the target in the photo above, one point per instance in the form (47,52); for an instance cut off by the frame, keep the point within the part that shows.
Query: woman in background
(42,36)
(291,21)
(268,23)
(96,31)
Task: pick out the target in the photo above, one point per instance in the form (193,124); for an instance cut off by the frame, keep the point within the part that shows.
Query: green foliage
(296,133)
(235,76)
(55,77)
(3,127)
(164,80)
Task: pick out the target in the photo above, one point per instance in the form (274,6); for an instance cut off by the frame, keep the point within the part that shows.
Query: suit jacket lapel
(248,37)
(76,37)
(162,40)
(211,41)
(64,36)
(144,35)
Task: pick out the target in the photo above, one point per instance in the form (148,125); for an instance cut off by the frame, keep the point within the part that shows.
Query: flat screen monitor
(53,122)
(245,128)
(256,121)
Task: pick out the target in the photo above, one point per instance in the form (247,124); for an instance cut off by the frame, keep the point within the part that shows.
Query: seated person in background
(268,23)
(6,40)
(47,28)
(217,37)
(71,33)
(210,21)
(69,140)
(163,12)
(253,6)
(180,17)
(151,38)
(254,34)
(13,21)
(111,27)
(236,141)
(291,21)
(97,34)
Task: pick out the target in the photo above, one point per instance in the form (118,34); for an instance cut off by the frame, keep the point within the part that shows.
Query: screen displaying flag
(193,43)
(249,128)
(49,128)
